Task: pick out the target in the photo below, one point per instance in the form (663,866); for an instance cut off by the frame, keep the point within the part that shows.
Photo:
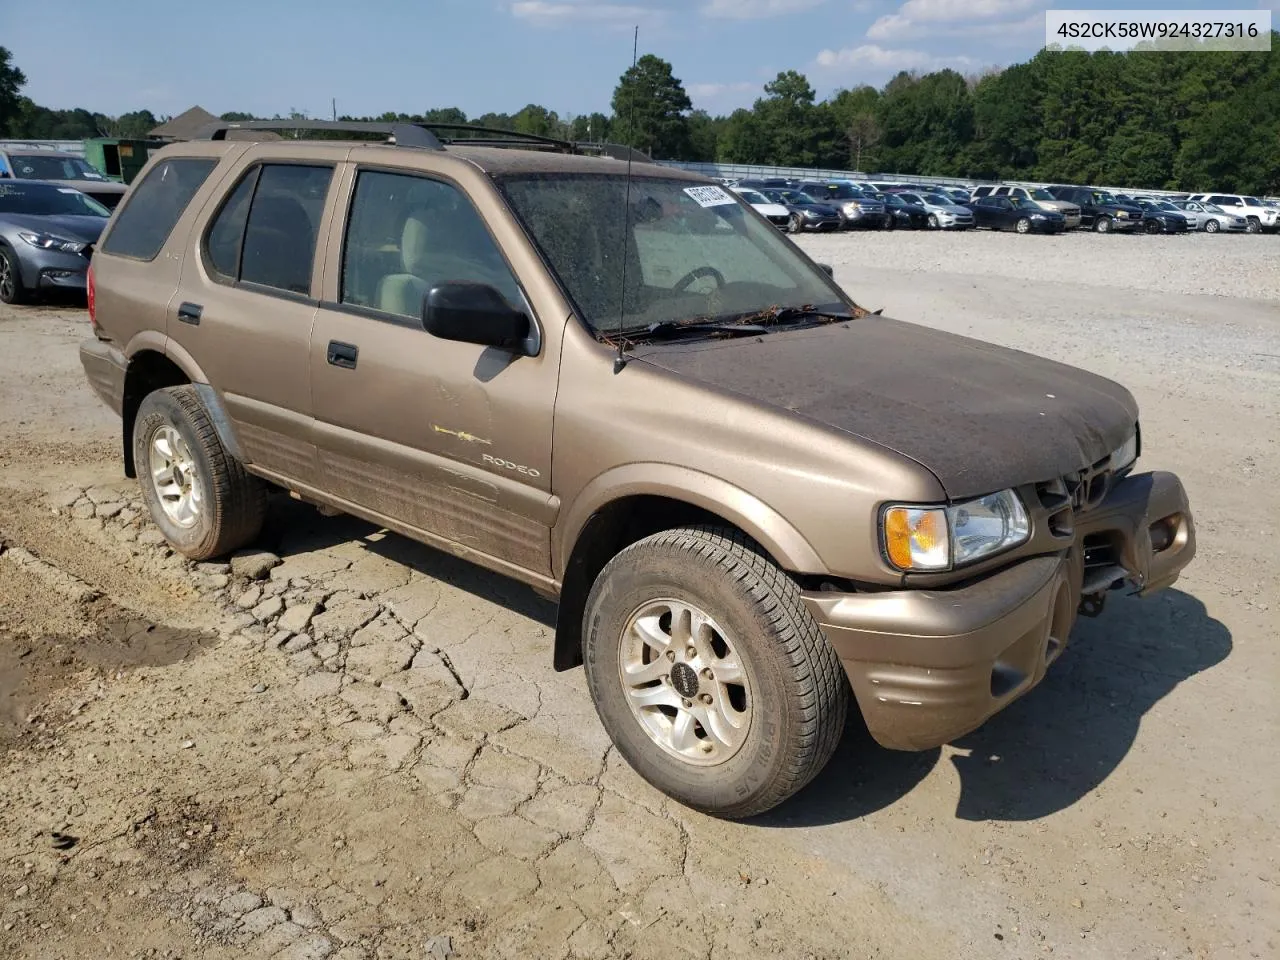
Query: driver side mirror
(474,313)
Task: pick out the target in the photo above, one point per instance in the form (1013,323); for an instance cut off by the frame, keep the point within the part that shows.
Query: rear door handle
(190,313)
(342,354)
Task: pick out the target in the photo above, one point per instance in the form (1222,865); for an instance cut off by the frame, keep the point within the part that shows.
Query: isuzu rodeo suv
(755,502)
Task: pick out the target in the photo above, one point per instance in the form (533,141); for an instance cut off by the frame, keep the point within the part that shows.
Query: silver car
(1208,217)
(47,235)
(944,214)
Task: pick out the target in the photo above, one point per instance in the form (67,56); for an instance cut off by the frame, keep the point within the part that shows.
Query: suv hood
(980,417)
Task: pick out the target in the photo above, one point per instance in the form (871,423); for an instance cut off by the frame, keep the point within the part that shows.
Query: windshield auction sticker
(709,196)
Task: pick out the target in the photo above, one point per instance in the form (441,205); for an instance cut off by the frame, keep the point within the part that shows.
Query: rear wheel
(1023,225)
(709,673)
(1212,226)
(1102,225)
(203,500)
(11,288)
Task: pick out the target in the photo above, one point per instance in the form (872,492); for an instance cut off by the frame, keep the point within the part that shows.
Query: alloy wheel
(174,477)
(685,683)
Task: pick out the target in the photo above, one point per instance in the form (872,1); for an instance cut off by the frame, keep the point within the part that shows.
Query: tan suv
(628,390)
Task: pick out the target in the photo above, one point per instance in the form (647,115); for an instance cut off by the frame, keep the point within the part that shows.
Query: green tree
(651,110)
(444,115)
(11,81)
(538,121)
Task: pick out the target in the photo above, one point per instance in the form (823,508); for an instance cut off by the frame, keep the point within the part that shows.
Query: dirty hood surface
(980,417)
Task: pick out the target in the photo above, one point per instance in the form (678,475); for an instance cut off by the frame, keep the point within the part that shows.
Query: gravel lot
(355,747)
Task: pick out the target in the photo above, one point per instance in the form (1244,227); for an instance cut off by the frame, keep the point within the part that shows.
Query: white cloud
(920,17)
(755,9)
(543,11)
(870,58)
(719,91)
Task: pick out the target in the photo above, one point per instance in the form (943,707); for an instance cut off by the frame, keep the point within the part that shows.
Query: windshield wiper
(674,328)
(776,316)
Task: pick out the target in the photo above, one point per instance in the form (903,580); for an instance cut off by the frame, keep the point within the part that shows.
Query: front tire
(1212,226)
(1023,225)
(933,222)
(709,673)
(1102,225)
(795,224)
(11,289)
(1255,225)
(203,500)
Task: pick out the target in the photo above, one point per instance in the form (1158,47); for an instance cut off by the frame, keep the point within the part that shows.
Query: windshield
(692,251)
(1022,203)
(938,200)
(841,191)
(52,166)
(1166,205)
(1213,208)
(46,200)
(1252,202)
(795,198)
(752,197)
(1101,196)
(1040,193)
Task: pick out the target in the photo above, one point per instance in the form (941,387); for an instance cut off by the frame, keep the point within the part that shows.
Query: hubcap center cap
(684,679)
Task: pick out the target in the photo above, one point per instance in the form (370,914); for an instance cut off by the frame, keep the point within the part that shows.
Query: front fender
(766,526)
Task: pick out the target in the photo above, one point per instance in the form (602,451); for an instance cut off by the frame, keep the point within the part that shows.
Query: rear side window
(266,232)
(1225,201)
(144,223)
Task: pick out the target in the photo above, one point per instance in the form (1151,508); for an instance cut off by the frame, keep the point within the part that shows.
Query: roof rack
(433,136)
(404,134)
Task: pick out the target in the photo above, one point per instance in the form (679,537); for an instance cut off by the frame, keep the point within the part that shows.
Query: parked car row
(798,205)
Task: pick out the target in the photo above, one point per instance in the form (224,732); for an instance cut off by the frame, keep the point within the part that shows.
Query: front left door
(450,440)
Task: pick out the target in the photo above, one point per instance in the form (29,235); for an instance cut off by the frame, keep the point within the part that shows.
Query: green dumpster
(119,159)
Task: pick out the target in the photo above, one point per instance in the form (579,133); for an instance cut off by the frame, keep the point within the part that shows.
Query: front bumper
(104,367)
(53,269)
(928,666)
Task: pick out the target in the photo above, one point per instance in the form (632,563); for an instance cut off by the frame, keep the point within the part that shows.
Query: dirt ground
(356,747)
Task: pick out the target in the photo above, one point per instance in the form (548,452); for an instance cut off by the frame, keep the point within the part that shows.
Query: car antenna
(620,360)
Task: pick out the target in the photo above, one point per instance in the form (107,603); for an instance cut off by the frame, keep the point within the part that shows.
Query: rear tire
(203,500)
(1212,226)
(756,637)
(1102,225)
(11,289)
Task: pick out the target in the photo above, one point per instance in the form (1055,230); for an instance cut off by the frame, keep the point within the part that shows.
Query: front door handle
(190,313)
(342,354)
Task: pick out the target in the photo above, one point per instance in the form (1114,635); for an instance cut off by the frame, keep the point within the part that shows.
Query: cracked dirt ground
(362,750)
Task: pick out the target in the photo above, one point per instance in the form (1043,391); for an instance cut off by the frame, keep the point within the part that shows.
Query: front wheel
(203,500)
(709,673)
(1102,225)
(933,221)
(11,288)
(1212,226)
(795,224)
(1023,225)
(1255,225)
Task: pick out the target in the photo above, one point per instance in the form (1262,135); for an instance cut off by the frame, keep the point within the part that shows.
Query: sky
(271,56)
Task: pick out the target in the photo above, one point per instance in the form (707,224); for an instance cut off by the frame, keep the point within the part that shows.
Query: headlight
(47,241)
(812,214)
(1122,214)
(1126,453)
(853,208)
(939,538)
(1037,216)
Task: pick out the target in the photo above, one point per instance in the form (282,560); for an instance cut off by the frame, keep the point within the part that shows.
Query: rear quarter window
(144,222)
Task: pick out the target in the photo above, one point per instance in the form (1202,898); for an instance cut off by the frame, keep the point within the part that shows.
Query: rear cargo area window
(157,202)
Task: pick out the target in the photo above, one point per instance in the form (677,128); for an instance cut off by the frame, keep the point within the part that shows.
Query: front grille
(1073,495)
(1071,212)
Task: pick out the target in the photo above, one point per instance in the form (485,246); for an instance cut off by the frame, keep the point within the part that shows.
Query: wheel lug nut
(705,698)
(691,653)
(707,674)
(687,703)
(671,654)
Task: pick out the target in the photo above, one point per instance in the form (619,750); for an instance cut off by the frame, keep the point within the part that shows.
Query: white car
(775,213)
(1259,216)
